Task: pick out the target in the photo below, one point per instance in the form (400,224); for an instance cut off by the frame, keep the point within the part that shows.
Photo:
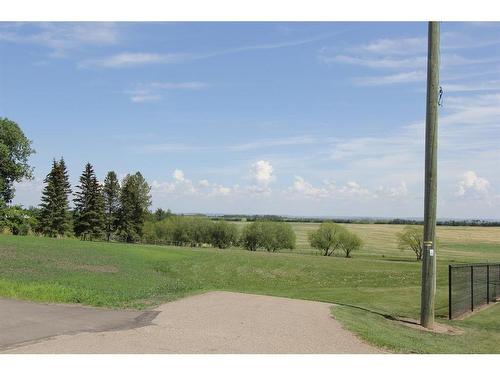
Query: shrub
(251,236)
(286,236)
(16,220)
(199,230)
(190,231)
(269,235)
(275,236)
(223,234)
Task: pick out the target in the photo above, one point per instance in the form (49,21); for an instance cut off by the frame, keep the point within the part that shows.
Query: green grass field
(380,280)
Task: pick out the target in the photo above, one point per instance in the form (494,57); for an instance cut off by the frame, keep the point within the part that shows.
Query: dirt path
(215,322)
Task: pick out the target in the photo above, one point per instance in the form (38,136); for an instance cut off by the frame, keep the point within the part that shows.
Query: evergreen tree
(54,212)
(89,206)
(111,197)
(97,222)
(135,200)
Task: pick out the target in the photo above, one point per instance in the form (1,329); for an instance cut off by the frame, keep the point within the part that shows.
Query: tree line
(362,220)
(199,231)
(108,210)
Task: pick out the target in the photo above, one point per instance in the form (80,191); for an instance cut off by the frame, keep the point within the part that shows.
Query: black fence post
(487,283)
(449,291)
(472,288)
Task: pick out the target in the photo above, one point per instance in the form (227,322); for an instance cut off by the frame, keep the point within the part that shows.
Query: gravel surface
(215,322)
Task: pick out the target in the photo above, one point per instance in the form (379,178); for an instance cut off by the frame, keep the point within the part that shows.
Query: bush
(190,231)
(223,234)
(251,236)
(276,236)
(16,220)
(286,236)
(269,235)
(199,230)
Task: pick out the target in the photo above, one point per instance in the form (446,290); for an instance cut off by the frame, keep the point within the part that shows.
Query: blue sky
(278,118)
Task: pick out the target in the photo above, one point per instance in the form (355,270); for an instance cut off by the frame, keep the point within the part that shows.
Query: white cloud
(181,186)
(329,190)
(204,183)
(178,175)
(169,147)
(265,143)
(248,146)
(152,91)
(352,188)
(473,110)
(391,79)
(493,85)
(418,45)
(221,190)
(395,46)
(262,172)
(407,58)
(131,59)
(144,98)
(471,182)
(303,187)
(376,62)
(393,192)
(178,85)
(61,37)
(398,62)
(162,187)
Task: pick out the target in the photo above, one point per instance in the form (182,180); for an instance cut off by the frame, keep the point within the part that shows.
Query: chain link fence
(471,286)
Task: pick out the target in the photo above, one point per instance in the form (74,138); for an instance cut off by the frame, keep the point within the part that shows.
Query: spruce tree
(89,206)
(97,220)
(54,212)
(81,222)
(47,205)
(111,197)
(135,200)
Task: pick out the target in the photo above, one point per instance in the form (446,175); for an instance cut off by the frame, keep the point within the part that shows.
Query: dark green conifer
(135,200)
(89,206)
(54,217)
(111,197)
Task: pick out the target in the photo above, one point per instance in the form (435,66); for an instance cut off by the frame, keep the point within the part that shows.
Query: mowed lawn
(379,282)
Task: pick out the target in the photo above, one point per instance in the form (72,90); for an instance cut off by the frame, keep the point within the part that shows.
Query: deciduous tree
(327,238)
(350,242)
(411,239)
(15,150)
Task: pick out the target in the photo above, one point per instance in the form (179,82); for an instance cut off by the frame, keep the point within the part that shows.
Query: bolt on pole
(430,199)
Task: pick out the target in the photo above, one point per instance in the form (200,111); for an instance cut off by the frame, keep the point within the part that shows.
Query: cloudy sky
(278,118)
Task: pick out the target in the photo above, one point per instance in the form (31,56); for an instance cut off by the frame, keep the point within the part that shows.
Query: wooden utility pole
(430,200)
